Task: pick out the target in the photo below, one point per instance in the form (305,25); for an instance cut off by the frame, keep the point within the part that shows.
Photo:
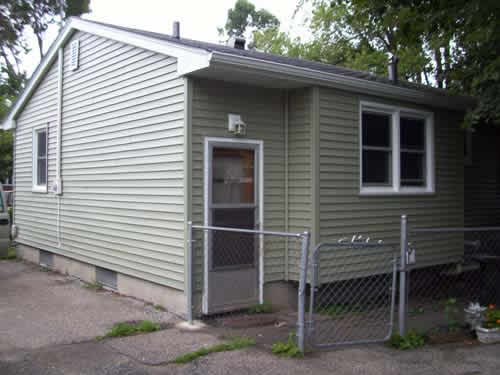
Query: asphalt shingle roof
(302,63)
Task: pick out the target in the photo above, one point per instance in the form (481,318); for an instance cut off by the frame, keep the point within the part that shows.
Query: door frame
(258,146)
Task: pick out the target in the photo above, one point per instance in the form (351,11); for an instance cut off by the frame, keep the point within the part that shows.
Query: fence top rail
(250,231)
(465,229)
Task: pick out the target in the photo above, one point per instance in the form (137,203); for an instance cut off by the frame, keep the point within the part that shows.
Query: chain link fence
(469,271)
(353,292)
(231,269)
(350,290)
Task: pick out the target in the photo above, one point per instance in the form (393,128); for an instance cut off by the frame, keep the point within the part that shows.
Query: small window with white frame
(397,150)
(40,151)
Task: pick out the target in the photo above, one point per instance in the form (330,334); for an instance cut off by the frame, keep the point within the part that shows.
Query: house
(117,132)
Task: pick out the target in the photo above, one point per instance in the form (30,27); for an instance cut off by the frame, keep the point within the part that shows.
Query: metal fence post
(189,285)
(402,277)
(302,291)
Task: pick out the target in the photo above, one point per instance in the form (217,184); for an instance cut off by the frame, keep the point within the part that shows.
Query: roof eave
(315,77)
(189,58)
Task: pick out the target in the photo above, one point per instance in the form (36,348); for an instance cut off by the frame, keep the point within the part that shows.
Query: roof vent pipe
(176,30)
(393,69)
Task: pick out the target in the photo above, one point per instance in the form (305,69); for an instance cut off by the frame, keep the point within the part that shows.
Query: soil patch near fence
(266,329)
(445,336)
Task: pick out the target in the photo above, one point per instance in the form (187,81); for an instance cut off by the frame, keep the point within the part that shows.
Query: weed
(264,308)
(147,326)
(11,254)
(237,343)
(121,330)
(159,308)
(451,312)
(411,340)
(289,348)
(128,329)
(96,286)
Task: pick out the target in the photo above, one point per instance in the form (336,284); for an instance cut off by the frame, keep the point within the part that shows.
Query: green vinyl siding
(122,206)
(300,202)
(344,212)
(262,111)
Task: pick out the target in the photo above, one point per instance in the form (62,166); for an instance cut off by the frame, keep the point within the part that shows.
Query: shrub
(411,340)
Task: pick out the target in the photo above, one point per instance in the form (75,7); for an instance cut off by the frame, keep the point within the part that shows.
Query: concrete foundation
(171,299)
(281,294)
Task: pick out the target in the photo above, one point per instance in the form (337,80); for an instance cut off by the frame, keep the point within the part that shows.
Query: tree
(16,18)
(450,44)
(244,16)
(5,155)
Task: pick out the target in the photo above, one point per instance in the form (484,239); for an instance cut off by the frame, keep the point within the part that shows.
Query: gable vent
(75,51)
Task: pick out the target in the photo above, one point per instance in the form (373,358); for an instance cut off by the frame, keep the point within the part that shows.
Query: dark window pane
(233,175)
(412,133)
(376,167)
(412,169)
(376,130)
(230,249)
(42,143)
(42,171)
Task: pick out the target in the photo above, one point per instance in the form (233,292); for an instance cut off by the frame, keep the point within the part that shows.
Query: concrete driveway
(49,322)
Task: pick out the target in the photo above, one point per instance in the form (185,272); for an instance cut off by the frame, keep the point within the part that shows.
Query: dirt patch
(445,336)
(248,321)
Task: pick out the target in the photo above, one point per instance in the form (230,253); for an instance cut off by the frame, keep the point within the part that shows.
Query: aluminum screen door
(232,200)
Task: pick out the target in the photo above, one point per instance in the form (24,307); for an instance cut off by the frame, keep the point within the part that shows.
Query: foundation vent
(106,277)
(46,259)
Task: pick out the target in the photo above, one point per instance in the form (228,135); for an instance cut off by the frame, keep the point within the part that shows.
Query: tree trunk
(439,67)
(447,63)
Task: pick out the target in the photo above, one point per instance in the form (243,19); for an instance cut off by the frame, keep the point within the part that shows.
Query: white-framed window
(396,150)
(40,151)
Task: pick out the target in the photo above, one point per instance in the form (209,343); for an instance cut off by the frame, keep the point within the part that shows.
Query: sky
(199,19)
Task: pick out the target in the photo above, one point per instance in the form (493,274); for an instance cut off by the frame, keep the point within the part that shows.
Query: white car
(4,224)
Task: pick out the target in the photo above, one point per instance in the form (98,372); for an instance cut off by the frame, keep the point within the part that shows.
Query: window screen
(412,138)
(377,150)
(233,206)
(41,157)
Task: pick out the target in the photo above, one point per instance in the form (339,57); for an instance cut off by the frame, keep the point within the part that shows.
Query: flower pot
(488,335)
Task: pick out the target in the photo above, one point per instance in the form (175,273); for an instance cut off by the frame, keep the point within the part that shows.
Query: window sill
(39,189)
(374,191)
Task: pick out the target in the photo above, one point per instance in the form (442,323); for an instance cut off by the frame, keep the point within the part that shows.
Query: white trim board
(231,142)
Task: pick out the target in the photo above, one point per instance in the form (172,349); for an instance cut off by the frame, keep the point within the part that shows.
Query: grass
(11,254)
(288,349)
(237,343)
(95,286)
(129,329)
(264,308)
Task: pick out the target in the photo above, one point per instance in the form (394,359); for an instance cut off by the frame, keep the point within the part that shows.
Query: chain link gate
(353,292)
